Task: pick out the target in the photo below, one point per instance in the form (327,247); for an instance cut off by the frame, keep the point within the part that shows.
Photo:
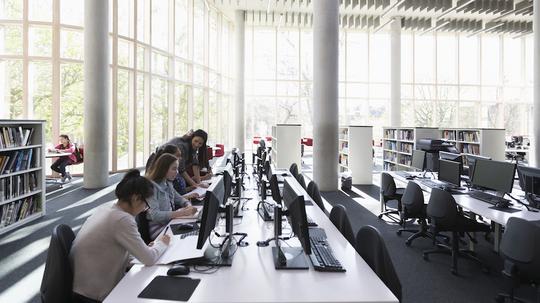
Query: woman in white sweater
(100,253)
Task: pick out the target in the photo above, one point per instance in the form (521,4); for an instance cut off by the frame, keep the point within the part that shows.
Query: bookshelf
(399,142)
(487,142)
(286,148)
(356,152)
(22,176)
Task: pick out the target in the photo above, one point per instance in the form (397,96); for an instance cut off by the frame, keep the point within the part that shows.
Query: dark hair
(160,167)
(202,156)
(164,149)
(200,133)
(133,184)
(66,137)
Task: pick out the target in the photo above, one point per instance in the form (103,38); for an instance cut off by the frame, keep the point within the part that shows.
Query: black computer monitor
(471,161)
(296,209)
(419,159)
(213,199)
(529,179)
(494,175)
(450,171)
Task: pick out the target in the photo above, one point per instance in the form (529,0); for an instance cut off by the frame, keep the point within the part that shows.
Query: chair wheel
(408,243)
(398,232)
(425,257)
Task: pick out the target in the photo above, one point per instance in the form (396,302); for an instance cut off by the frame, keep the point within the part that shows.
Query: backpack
(78,154)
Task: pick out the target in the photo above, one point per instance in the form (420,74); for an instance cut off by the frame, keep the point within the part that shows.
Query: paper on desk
(201,191)
(195,215)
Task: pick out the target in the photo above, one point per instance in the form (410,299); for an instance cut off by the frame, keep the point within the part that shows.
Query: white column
(96,93)
(239,124)
(325,93)
(395,72)
(535,160)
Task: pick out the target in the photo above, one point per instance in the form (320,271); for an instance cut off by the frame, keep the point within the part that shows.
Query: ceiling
(512,17)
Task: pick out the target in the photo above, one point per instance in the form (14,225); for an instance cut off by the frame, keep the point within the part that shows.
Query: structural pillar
(239,123)
(395,72)
(535,160)
(96,93)
(325,93)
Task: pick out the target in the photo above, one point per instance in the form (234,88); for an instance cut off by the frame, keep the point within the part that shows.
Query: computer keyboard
(403,174)
(322,256)
(191,233)
(317,233)
(488,198)
(310,222)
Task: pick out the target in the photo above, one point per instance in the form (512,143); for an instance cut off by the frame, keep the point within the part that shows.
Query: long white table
(481,208)
(253,278)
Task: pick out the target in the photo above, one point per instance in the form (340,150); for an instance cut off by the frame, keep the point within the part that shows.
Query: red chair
(305,142)
(210,152)
(256,140)
(220,150)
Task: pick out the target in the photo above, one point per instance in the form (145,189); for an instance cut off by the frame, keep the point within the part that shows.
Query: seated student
(59,166)
(189,145)
(99,255)
(178,183)
(166,203)
(205,170)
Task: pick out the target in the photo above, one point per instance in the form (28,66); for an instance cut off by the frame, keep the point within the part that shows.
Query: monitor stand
(289,258)
(219,256)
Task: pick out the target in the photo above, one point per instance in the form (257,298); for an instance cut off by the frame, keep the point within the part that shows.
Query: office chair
(520,247)
(274,188)
(338,216)
(443,211)
(294,169)
(389,192)
(227,186)
(301,180)
(371,247)
(413,207)
(143,226)
(57,282)
(313,192)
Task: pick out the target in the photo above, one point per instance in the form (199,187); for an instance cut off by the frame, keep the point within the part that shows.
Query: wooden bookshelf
(399,142)
(488,142)
(286,148)
(22,176)
(356,153)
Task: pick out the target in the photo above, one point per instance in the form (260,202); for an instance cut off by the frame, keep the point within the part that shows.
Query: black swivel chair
(313,192)
(143,226)
(57,283)
(301,181)
(371,247)
(390,192)
(274,188)
(413,207)
(443,211)
(294,169)
(338,216)
(227,186)
(520,247)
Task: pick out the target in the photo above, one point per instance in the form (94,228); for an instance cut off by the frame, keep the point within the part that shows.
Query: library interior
(269,151)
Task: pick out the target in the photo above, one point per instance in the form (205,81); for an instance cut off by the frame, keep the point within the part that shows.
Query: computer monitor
(518,140)
(471,161)
(494,175)
(450,171)
(296,209)
(213,199)
(419,159)
(529,179)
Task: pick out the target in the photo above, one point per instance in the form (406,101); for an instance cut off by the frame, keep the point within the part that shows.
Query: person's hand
(186,211)
(192,195)
(203,185)
(165,239)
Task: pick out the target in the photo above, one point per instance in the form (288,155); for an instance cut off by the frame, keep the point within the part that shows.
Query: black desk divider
(170,288)
(177,231)
(506,210)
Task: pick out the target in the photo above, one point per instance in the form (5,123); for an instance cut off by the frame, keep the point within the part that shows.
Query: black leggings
(60,164)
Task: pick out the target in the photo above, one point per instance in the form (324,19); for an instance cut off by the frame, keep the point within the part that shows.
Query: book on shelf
(470,149)
(13,186)
(15,136)
(406,134)
(389,133)
(468,136)
(449,135)
(17,210)
(17,160)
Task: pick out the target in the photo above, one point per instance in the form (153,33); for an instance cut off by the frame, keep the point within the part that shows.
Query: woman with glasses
(166,203)
(100,253)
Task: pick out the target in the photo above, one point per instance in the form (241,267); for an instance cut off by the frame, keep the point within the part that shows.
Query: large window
(156,89)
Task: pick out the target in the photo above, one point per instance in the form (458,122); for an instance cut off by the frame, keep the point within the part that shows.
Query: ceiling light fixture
(455,9)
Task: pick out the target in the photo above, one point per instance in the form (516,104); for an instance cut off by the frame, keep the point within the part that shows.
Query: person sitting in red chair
(59,166)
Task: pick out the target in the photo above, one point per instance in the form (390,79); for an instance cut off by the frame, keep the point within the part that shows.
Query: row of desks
(253,278)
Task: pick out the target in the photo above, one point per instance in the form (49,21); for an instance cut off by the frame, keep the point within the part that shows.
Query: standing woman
(189,145)
(166,203)
(60,164)
(100,253)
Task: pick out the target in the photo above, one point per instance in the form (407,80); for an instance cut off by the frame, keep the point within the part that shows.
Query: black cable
(522,203)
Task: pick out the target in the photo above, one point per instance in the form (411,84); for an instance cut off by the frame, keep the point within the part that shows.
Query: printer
(432,147)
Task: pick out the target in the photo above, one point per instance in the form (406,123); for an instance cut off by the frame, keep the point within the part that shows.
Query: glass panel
(181,22)
(71,44)
(160,24)
(446,114)
(357,56)
(40,94)
(407,58)
(126,12)
(72,100)
(446,58)
(357,90)
(306,55)
(213,119)
(11,89)
(379,91)
(513,56)
(199,32)
(213,42)
(125,53)
(124,87)
(469,93)
(447,92)
(379,53)
(529,64)
(287,54)
(11,42)
(198,108)
(141,58)
(72,12)
(181,71)
(288,110)
(490,59)
(286,88)
(160,64)
(40,40)
(467,114)
(139,122)
(260,116)
(11,9)
(424,58)
(407,112)
(424,113)
(142,20)
(181,109)
(264,54)
(40,10)
(198,75)
(468,60)
(159,113)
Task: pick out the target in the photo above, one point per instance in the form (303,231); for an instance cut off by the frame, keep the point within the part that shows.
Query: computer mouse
(185,226)
(178,270)
(284,174)
(502,204)
(409,177)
